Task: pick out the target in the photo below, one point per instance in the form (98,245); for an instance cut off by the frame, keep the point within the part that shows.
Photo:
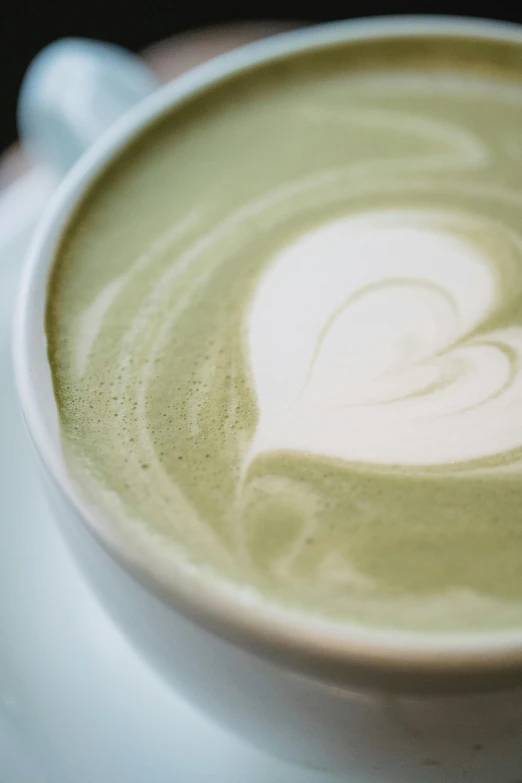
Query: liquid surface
(285,332)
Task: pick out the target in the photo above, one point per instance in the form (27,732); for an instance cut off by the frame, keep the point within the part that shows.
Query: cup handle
(72,92)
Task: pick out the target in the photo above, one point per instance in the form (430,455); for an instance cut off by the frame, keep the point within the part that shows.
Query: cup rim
(339,652)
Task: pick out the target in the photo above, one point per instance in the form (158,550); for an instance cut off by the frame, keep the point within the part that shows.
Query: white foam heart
(361,345)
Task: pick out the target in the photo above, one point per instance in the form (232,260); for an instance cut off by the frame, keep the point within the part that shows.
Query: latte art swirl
(369,341)
(300,370)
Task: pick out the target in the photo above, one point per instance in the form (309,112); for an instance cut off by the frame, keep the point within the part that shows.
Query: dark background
(26,26)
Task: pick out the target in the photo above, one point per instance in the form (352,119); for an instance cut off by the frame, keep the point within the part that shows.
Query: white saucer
(77,704)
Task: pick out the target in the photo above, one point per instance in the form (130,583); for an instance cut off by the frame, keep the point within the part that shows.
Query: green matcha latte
(285,332)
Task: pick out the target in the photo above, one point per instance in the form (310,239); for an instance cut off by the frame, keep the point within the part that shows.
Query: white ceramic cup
(380,707)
